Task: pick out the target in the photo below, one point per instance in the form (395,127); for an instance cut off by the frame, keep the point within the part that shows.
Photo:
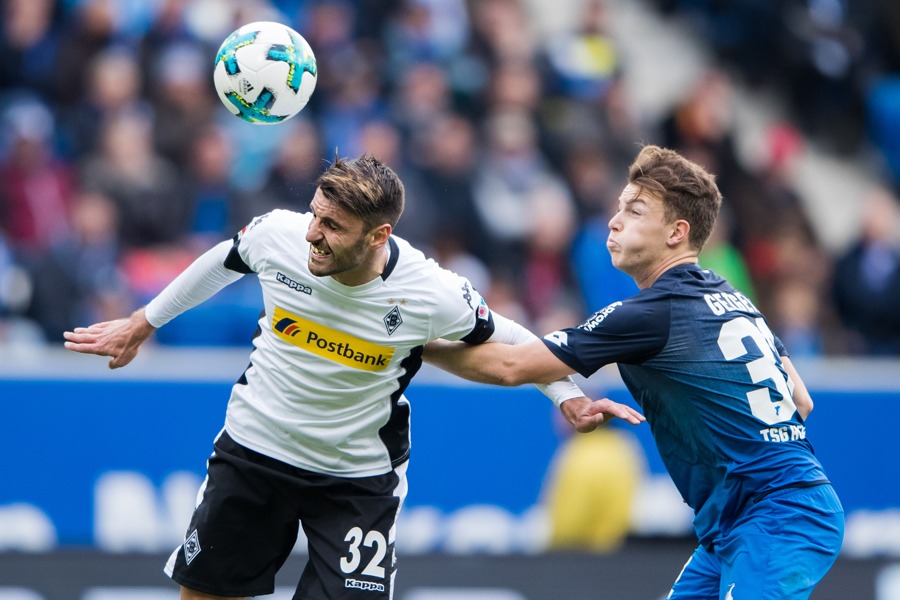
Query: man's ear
(380,234)
(681,229)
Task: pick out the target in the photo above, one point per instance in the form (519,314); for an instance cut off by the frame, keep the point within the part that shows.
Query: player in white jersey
(317,427)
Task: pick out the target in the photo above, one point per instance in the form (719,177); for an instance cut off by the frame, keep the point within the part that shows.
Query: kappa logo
(393,320)
(294,285)
(467,294)
(368,586)
(191,547)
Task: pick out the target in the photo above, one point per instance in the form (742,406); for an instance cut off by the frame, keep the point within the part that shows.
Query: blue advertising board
(66,440)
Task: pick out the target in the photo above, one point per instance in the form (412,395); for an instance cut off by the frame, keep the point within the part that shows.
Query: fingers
(606,408)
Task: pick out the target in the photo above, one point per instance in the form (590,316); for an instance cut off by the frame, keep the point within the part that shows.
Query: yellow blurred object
(591,488)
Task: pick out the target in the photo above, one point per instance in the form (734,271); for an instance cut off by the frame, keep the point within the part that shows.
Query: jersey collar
(392,259)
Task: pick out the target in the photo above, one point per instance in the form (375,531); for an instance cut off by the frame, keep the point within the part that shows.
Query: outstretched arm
(122,338)
(498,363)
(531,362)
(119,339)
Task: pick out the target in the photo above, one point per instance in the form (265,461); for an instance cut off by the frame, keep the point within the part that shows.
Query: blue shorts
(780,548)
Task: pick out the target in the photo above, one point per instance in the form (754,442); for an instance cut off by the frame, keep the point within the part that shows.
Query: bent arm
(802,400)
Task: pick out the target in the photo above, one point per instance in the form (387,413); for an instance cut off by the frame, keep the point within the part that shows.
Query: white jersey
(324,389)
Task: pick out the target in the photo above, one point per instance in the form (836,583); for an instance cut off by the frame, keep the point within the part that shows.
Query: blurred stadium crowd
(118,164)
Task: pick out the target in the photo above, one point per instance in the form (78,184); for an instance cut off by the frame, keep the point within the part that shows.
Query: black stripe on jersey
(395,433)
(392,261)
(234,261)
(484,328)
(242,380)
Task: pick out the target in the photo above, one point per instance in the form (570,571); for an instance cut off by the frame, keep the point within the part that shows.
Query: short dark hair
(364,187)
(687,190)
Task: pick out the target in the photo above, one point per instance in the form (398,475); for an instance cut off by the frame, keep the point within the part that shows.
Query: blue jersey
(704,367)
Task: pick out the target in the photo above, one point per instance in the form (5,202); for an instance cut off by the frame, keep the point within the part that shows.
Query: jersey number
(731,343)
(373,538)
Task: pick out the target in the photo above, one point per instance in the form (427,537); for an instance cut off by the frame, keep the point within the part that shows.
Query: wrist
(571,408)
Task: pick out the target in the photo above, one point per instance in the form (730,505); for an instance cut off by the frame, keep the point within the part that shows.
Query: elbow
(805,407)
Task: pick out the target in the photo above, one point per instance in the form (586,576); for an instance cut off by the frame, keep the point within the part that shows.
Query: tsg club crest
(393,320)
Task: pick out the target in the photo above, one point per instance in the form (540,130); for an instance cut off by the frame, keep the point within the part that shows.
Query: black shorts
(246,524)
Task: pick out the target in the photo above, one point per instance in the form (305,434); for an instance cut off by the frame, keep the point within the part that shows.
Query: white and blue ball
(265,72)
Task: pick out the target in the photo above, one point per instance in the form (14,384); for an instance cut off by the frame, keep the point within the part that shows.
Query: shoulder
(274,224)
(413,265)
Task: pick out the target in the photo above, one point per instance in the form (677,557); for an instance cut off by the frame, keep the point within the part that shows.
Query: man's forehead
(634,193)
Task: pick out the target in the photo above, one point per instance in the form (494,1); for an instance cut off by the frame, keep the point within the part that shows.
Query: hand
(586,415)
(119,339)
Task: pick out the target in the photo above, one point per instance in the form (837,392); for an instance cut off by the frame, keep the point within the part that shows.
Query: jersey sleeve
(200,281)
(248,249)
(630,331)
(462,312)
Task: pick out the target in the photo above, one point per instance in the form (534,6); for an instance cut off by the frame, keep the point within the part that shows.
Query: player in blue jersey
(725,405)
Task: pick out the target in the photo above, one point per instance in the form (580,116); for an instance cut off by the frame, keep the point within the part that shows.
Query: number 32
(731,343)
(372,538)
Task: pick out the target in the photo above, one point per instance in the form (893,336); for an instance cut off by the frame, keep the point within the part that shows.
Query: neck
(373,268)
(647,279)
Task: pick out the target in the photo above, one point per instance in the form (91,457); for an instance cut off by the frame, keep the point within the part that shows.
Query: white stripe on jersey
(330,357)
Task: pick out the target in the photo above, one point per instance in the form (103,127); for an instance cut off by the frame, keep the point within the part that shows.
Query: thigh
(243,528)
(784,546)
(699,579)
(351,530)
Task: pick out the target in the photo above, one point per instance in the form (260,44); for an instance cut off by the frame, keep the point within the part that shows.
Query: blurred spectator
(867,280)
(91,28)
(721,256)
(422,95)
(502,31)
(584,61)
(511,180)
(77,279)
(145,187)
(547,282)
(447,157)
(421,214)
(425,31)
(113,84)
(354,100)
(701,127)
(36,187)
(30,46)
(183,99)
(796,319)
(290,182)
(15,297)
(212,201)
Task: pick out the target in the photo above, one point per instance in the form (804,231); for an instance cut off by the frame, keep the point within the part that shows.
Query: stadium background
(511,122)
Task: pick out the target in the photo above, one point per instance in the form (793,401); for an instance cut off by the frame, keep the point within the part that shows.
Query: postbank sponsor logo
(330,343)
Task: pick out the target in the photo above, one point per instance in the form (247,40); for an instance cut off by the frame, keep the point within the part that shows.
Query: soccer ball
(265,72)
